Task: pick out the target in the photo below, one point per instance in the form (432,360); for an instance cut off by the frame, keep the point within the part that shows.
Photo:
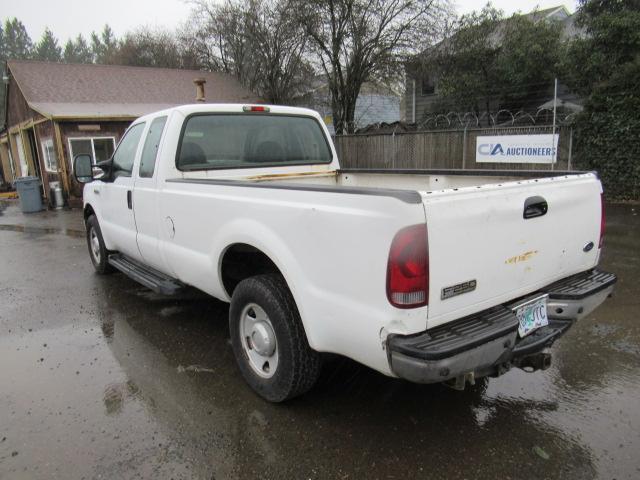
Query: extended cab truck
(430,276)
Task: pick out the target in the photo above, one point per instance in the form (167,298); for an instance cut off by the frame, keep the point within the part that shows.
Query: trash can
(29,192)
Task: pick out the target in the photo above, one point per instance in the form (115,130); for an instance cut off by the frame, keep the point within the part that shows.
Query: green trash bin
(29,192)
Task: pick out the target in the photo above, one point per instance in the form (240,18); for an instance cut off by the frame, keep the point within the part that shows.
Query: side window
(126,152)
(150,150)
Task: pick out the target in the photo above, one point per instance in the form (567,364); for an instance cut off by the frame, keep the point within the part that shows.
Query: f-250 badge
(459,289)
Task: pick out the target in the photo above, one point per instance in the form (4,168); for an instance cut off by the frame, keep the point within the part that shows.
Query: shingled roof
(59,90)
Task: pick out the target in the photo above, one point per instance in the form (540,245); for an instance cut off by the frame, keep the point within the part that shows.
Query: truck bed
(477,227)
(427,180)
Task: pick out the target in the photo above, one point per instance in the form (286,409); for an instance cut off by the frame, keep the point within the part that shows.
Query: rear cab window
(221,141)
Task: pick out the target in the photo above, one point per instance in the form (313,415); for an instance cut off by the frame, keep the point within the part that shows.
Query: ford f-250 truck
(430,276)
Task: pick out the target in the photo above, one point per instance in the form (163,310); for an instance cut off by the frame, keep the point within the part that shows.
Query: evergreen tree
(2,60)
(47,48)
(2,46)
(104,45)
(77,51)
(17,43)
(604,65)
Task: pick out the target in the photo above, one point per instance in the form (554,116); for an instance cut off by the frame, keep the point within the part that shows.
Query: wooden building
(55,111)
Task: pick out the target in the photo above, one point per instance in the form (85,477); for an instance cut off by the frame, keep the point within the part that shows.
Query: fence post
(570,148)
(553,136)
(464,147)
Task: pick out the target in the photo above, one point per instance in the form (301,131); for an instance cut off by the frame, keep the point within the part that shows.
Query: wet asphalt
(100,378)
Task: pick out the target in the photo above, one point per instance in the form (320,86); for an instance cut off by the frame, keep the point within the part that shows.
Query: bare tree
(259,42)
(147,48)
(219,36)
(279,45)
(355,41)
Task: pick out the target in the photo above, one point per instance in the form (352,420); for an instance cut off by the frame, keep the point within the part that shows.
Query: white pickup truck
(430,276)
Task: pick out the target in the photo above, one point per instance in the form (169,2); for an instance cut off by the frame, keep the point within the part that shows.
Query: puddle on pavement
(158,391)
(42,230)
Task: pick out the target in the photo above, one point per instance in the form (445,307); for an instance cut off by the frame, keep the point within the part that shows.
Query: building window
(100,148)
(428,87)
(50,158)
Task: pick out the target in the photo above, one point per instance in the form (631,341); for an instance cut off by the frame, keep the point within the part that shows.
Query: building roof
(559,12)
(97,91)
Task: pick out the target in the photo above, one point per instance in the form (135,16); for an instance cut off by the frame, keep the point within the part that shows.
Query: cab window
(150,150)
(126,152)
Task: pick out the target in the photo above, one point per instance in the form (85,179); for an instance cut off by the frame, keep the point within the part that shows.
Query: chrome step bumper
(487,343)
(575,297)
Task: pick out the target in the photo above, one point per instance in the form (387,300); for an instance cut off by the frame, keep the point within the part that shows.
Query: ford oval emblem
(587,247)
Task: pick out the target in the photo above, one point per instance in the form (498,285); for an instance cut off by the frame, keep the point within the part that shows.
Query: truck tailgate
(482,252)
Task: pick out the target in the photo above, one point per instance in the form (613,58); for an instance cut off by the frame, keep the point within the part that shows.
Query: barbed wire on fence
(454,120)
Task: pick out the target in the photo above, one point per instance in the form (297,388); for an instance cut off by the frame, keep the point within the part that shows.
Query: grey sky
(67,18)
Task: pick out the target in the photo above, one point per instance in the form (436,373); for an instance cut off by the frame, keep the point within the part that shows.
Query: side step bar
(150,278)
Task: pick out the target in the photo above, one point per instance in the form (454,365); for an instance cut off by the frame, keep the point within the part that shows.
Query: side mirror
(83,168)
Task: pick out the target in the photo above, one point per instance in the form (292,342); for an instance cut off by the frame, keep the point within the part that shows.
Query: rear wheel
(269,341)
(97,250)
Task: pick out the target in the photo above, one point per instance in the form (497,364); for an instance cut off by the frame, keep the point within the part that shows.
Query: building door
(12,165)
(22,157)
(35,158)
(7,163)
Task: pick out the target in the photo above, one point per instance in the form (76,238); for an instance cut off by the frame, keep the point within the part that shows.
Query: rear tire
(269,341)
(97,250)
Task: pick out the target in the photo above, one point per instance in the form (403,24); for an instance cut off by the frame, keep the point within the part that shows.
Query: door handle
(129,200)
(535,207)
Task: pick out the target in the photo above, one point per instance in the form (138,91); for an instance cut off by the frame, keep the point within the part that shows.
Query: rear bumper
(487,343)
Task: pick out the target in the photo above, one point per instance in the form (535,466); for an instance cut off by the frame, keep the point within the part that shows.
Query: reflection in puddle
(355,420)
(116,394)
(108,380)
(42,230)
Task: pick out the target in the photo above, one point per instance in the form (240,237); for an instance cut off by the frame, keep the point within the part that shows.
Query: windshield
(215,141)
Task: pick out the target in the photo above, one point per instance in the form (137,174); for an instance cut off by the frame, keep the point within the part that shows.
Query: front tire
(269,341)
(97,250)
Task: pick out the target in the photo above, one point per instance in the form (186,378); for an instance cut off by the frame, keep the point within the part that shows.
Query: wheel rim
(259,340)
(94,245)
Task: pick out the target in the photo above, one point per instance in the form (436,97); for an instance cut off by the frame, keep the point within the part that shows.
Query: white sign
(517,149)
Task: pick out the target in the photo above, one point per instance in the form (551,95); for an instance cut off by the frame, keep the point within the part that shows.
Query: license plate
(532,315)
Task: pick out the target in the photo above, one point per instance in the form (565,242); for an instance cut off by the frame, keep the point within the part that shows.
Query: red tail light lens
(408,268)
(602,221)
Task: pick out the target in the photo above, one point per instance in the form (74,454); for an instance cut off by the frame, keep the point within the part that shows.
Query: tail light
(602,221)
(255,108)
(408,268)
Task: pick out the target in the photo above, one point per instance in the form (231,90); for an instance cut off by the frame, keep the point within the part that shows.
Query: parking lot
(100,378)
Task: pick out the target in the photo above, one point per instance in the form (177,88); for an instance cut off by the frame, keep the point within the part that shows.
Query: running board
(150,278)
